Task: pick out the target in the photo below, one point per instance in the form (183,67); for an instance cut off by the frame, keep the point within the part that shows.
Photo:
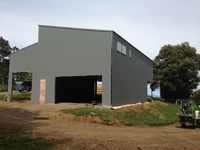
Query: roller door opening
(78,89)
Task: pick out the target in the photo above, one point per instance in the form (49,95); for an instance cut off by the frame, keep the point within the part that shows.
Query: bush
(3,87)
(196,95)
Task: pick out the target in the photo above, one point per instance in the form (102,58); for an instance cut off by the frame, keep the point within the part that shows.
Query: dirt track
(67,133)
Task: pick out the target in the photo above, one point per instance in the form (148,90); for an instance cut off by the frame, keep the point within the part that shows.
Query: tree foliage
(22,76)
(5,51)
(196,95)
(4,68)
(176,69)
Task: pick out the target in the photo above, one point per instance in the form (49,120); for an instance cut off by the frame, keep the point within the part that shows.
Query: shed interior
(78,89)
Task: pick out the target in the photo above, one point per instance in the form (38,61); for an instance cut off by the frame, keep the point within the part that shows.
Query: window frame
(124,51)
(121,48)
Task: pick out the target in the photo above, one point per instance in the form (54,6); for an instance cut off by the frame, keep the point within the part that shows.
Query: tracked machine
(188,112)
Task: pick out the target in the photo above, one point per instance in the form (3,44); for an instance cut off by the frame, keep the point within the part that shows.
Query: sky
(146,24)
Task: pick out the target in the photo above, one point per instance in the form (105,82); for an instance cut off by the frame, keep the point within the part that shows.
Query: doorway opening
(78,89)
(21,86)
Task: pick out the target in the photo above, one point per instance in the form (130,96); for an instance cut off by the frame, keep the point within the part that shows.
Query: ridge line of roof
(76,28)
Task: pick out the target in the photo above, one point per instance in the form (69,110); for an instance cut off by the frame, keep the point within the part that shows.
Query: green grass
(155,113)
(22,141)
(21,96)
(2,95)
(17,95)
(3,87)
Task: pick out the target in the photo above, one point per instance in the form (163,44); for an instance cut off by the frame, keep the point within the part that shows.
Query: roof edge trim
(22,49)
(75,28)
(133,46)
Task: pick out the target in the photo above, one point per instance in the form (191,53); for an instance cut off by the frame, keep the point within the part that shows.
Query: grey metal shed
(66,64)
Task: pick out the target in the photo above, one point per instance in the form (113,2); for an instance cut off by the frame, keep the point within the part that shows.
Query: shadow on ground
(17,119)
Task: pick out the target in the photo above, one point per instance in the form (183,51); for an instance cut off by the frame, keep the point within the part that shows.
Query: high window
(121,48)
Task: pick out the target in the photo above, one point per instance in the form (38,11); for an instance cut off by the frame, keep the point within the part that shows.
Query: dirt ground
(67,133)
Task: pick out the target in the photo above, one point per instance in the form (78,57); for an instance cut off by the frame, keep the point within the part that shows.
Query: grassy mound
(155,113)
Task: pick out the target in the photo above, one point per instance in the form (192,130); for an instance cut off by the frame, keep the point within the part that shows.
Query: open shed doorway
(78,89)
(21,86)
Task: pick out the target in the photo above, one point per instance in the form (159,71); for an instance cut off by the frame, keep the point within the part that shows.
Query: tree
(22,76)
(5,51)
(176,69)
(14,49)
(4,68)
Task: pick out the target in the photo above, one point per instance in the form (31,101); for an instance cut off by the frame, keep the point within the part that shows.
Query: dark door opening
(77,89)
